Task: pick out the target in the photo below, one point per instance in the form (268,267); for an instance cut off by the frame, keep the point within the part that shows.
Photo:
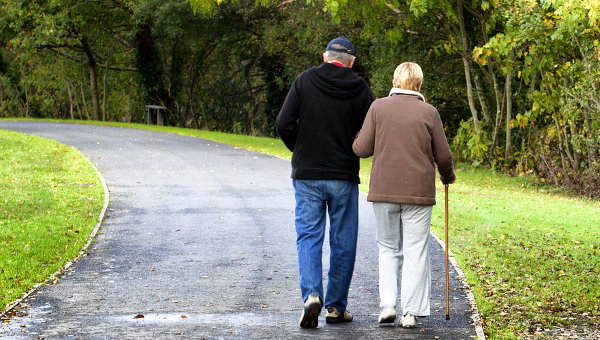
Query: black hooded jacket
(321,114)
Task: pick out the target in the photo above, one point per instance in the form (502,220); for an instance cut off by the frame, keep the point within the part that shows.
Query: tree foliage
(551,48)
(516,81)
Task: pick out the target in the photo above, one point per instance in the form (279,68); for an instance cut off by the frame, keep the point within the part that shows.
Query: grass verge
(50,198)
(530,254)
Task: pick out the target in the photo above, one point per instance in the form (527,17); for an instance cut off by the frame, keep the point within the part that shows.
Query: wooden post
(447,257)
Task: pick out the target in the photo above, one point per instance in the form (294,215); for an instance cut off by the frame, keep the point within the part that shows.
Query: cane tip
(447,316)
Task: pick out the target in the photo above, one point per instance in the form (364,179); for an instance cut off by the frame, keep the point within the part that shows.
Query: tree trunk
(594,95)
(561,150)
(567,146)
(26,103)
(532,88)
(149,68)
(104,89)
(467,65)
(595,98)
(77,107)
(564,129)
(85,108)
(499,95)
(590,140)
(93,77)
(70,99)
(497,90)
(499,117)
(508,145)
(576,155)
(482,98)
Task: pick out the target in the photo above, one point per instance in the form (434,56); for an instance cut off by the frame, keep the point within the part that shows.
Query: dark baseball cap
(348,47)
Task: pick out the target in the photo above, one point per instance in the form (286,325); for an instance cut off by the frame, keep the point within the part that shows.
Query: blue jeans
(315,198)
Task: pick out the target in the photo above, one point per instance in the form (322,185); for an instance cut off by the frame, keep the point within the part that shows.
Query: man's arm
(287,120)
(364,142)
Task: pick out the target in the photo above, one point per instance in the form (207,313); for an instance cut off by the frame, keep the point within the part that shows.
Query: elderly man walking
(322,113)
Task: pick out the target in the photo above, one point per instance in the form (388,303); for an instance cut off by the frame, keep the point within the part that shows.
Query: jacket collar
(403,91)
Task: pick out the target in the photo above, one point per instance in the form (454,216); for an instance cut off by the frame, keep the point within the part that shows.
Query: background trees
(516,81)
(549,49)
(49,38)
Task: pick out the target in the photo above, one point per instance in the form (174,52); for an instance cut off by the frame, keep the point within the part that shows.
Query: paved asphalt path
(199,238)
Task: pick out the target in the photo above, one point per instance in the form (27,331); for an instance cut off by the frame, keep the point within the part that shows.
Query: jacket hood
(336,81)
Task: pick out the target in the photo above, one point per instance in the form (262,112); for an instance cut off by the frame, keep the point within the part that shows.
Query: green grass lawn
(531,256)
(529,253)
(50,199)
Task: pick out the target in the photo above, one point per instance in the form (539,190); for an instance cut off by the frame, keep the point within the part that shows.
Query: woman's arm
(441,152)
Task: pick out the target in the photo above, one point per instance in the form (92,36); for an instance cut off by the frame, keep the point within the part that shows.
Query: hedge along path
(51,208)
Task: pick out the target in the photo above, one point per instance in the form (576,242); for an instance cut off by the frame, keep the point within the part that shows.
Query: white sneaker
(408,321)
(388,315)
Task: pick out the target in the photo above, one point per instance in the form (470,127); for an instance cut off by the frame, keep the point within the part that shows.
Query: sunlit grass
(530,253)
(50,199)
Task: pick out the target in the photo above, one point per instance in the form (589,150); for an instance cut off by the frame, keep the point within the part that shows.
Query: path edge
(475,316)
(54,276)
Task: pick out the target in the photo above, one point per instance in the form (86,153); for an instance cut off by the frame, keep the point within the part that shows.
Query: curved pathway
(199,239)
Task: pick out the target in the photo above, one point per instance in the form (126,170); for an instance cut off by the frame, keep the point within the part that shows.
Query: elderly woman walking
(406,138)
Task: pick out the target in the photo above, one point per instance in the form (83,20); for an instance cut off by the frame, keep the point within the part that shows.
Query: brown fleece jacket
(406,138)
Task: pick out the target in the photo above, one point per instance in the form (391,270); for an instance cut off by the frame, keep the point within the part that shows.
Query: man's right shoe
(333,315)
(310,314)
(388,315)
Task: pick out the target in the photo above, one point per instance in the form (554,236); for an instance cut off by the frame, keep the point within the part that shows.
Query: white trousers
(403,240)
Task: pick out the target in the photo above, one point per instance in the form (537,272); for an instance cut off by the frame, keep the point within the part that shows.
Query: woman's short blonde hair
(408,76)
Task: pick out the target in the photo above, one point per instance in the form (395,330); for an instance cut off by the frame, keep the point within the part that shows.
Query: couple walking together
(328,120)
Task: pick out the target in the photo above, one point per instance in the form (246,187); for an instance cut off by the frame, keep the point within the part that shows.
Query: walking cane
(447,274)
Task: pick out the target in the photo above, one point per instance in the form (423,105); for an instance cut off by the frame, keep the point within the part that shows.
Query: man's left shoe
(312,309)
(335,316)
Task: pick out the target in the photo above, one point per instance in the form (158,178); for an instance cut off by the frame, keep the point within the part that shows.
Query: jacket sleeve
(364,142)
(286,123)
(441,152)
(370,98)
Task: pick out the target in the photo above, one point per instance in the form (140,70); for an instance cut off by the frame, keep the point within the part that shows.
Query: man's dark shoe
(335,316)
(310,314)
